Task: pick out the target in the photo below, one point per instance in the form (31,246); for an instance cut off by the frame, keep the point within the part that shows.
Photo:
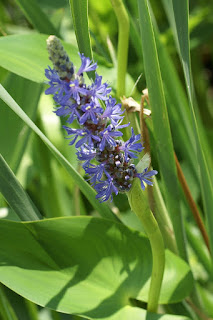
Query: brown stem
(197,310)
(192,203)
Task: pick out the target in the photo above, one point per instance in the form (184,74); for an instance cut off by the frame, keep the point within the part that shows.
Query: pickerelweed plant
(106,159)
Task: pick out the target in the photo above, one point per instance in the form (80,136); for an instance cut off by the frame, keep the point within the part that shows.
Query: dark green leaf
(178,15)
(161,126)
(37,17)
(79,10)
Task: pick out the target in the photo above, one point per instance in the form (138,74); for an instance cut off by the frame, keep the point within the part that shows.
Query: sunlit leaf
(83,265)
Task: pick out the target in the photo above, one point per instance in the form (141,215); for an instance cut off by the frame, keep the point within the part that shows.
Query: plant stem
(139,205)
(123,43)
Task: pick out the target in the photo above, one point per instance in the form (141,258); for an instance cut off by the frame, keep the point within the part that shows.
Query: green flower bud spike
(59,58)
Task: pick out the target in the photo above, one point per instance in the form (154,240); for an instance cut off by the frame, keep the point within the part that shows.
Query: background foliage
(47,181)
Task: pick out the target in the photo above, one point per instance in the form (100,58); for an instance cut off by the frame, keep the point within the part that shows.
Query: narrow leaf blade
(161,124)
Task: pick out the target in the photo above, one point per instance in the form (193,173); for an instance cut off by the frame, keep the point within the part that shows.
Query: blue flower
(105,189)
(86,154)
(87,136)
(57,86)
(86,65)
(74,91)
(113,111)
(71,109)
(90,111)
(130,147)
(96,172)
(98,90)
(107,135)
(145,176)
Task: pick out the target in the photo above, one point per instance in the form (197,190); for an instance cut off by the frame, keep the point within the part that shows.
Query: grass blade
(79,10)
(15,195)
(37,17)
(6,310)
(14,129)
(179,21)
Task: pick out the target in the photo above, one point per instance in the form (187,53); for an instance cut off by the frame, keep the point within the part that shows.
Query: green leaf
(27,94)
(161,126)
(27,56)
(207,299)
(178,15)
(144,163)
(37,17)
(15,195)
(84,265)
(79,10)
(86,189)
(177,106)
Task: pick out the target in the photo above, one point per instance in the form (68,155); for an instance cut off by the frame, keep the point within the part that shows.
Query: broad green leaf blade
(37,17)
(79,10)
(27,56)
(84,265)
(161,126)
(86,189)
(27,94)
(179,20)
(15,195)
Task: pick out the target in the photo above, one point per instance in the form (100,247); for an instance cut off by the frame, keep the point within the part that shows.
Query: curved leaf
(27,56)
(84,265)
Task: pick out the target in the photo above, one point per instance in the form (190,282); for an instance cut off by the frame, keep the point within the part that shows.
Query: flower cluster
(106,158)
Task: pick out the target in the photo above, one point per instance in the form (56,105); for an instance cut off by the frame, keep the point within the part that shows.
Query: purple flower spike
(97,137)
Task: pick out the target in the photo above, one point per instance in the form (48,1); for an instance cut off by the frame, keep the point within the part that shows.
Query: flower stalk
(139,205)
(123,44)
